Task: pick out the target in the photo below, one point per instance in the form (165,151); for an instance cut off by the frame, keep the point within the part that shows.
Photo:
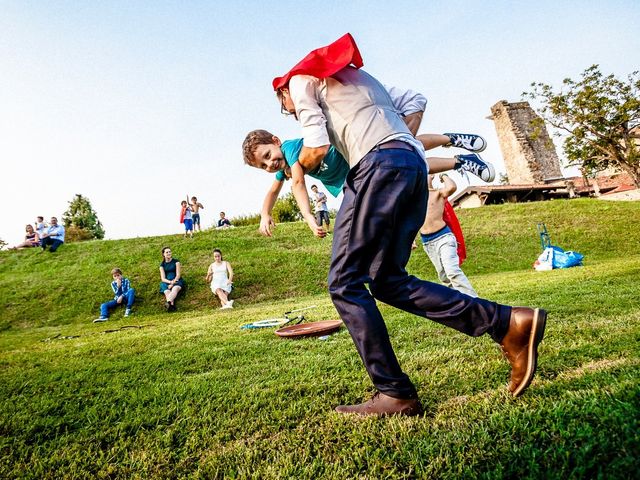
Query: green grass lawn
(192,395)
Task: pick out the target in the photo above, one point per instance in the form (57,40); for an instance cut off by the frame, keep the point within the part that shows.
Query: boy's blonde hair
(116,270)
(251,143)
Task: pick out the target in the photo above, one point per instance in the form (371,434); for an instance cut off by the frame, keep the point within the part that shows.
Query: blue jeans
(385,201)
(129,297)
(50,241)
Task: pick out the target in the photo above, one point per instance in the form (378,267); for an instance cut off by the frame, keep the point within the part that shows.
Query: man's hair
(116,270)
(313,186)
(40,217)
(194,198)
(222,213)
(56,218)
(251,142)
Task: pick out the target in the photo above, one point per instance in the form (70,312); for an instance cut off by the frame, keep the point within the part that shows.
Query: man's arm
(304,92)
(311,157)
(299,189)
(266,220)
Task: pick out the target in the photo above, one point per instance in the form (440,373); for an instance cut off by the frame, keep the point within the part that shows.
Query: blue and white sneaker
(472,163)
(101,319)
(468,141)
(127,312)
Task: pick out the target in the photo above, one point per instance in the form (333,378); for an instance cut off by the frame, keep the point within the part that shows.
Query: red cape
(324,62)
(450,218)
(183,212)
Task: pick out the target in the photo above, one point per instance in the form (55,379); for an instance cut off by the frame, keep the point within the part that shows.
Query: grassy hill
(191,395)
(40,289)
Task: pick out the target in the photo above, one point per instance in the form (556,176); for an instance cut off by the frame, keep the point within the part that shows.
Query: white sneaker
(230,303)
(225,306)
(100,319)
(127,312)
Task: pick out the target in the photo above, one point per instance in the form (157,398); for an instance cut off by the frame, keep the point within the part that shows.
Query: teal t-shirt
(332,171)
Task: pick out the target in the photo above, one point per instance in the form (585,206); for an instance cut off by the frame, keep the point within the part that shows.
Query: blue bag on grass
(562,259)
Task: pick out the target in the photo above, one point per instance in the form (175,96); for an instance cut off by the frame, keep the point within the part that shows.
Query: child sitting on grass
(124,294)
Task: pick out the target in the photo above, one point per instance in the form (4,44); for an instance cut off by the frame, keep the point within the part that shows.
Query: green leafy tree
(2,244)
(286,209)
(598,116)
(81,221)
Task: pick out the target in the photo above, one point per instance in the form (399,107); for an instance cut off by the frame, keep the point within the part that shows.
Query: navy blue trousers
(385,201)
(46,241)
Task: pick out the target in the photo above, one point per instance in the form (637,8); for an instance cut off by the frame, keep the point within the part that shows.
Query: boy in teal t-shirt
(265,151)
(332,171)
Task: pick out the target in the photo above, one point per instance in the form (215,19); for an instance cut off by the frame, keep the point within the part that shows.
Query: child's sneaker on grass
(468,141)
(127,312)
(101,319)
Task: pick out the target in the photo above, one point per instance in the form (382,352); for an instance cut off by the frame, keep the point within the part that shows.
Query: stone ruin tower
(529,154)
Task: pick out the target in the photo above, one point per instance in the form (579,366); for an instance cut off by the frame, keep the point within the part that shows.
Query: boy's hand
(317,231)
(119,299)
(266,225)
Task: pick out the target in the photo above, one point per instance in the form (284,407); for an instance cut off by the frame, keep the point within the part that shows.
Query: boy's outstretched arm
(266,220)
(449,186)
(299,189)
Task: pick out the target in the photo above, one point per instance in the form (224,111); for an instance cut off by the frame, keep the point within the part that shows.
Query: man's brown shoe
(520,345)
(383,405)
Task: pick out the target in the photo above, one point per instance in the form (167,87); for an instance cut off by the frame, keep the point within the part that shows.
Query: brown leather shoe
(520,345)
(383,405)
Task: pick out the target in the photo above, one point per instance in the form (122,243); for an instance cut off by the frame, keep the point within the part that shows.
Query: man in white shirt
(383,208)
(53,237)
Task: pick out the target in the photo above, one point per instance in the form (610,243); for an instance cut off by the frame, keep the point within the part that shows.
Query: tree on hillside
(3,244)
(598,117)
(81,221)
(286,209)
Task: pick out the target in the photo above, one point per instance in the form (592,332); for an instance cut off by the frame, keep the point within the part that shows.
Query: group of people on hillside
(190,217)
(360,137)
(219,277)
(42,235)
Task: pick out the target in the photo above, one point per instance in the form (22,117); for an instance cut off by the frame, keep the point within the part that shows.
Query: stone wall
(529,154)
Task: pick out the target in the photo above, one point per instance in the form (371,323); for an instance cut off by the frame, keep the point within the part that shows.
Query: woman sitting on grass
(220,275)
(31,239)
(171,283)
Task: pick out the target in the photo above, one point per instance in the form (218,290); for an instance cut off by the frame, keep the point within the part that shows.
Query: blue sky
(137,104)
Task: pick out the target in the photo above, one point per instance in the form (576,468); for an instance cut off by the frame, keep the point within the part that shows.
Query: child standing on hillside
(41,227)
(322,211)
(124,294)
(186,218)
(195,208)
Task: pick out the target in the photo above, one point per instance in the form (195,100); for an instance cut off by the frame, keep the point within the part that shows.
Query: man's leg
(318,216)
(374,193)
(54,245)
